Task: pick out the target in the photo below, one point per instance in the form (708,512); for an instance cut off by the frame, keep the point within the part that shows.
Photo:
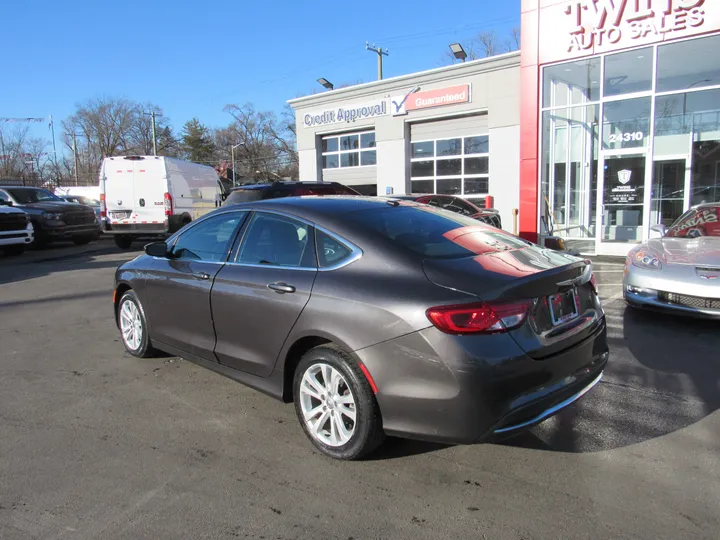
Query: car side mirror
(659,228)
(157,249)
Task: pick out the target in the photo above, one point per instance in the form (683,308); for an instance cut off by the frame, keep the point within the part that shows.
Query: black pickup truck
(53,218)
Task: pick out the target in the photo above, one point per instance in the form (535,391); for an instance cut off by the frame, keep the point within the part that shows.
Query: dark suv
(457,205)
(276,190)
(52,217)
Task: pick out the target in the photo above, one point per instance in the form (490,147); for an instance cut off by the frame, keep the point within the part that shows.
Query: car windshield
(697,222)
(435,233)
(29,196)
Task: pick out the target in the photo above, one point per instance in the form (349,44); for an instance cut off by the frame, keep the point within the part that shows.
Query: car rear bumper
(432,386)
(137,229)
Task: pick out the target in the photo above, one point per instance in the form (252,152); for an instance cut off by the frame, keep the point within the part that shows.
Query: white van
(145,196)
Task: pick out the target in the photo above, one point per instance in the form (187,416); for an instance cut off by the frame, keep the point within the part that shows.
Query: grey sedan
(374,316)
(680,271)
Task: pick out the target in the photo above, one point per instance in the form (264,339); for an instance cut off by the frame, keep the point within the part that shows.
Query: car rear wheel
(335,404)
(133,326)
(123,242)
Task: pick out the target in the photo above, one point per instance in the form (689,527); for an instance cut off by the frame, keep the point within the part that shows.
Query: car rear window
(434,233)
(244,195)
(323,190)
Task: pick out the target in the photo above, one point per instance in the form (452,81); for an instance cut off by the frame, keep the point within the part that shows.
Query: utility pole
(154,136)
(380,53)
(75,157)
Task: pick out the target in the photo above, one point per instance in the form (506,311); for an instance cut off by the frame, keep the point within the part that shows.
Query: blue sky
(192,58)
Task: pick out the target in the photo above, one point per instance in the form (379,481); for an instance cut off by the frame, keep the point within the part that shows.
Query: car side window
(209,240)
(330,250)
(276,240)
(4,196)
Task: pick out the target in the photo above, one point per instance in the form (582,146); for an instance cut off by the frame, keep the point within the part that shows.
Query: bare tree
(21,156)
(139,138)
(263,147)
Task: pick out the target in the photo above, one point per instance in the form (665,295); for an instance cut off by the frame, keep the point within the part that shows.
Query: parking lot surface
(97,444)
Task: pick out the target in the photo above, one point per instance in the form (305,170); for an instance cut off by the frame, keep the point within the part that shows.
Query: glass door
(667,200)
(621,197)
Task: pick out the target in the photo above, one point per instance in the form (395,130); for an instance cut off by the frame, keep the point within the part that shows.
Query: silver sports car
(681,270)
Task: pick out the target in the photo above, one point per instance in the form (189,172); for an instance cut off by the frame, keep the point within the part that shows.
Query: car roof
(284,183)
(320,205)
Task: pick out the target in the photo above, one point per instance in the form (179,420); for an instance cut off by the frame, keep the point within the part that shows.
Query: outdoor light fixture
(458,51)
(327,84)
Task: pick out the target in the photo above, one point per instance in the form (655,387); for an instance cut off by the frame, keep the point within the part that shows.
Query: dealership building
(606,123)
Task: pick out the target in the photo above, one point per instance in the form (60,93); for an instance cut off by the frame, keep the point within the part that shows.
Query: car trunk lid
(564,306)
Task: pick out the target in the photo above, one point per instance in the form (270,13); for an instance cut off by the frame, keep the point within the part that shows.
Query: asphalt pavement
(95,444)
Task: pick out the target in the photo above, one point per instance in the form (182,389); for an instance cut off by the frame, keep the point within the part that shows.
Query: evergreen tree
(197,142)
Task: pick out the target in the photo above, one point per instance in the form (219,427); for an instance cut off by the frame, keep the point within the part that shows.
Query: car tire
(133,326)
(123,242)
(14,251)
(82,240)
(323,403)
(41,239)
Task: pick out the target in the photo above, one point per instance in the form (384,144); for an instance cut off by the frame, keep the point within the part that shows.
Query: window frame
(229,249)
(339,152)
(462,156)
(240,242)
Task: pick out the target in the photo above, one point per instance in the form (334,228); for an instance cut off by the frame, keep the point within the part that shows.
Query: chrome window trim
(355,252)
(273,266)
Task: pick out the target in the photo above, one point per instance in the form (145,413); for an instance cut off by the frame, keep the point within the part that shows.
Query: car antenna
(393,202)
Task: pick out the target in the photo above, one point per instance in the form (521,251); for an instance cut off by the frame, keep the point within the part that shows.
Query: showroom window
(643,124)
(457,166)
(349,150)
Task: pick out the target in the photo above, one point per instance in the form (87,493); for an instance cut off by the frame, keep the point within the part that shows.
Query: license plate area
(120,215)
(563,307)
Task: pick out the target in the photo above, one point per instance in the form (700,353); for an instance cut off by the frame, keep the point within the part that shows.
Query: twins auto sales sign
(585,27)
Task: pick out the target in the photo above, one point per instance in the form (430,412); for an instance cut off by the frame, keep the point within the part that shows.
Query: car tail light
(103,206)
(168,204)
(486,317)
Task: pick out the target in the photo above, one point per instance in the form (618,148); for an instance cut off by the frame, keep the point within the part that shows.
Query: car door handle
(281,288)
(201,275)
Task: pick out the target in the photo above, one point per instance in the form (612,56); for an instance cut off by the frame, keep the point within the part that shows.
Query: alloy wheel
(328,405)
(131,325)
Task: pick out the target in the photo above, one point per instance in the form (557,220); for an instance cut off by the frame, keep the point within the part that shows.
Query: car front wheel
(335,404)
(133,326)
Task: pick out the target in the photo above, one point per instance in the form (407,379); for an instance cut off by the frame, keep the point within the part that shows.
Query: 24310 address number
(626,137)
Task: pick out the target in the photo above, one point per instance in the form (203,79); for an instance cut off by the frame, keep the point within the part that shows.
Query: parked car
(153,196)
(16,231)
(458,205)
(680,271)
(274,190)
(87,201)
(374,316)
(52,218)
